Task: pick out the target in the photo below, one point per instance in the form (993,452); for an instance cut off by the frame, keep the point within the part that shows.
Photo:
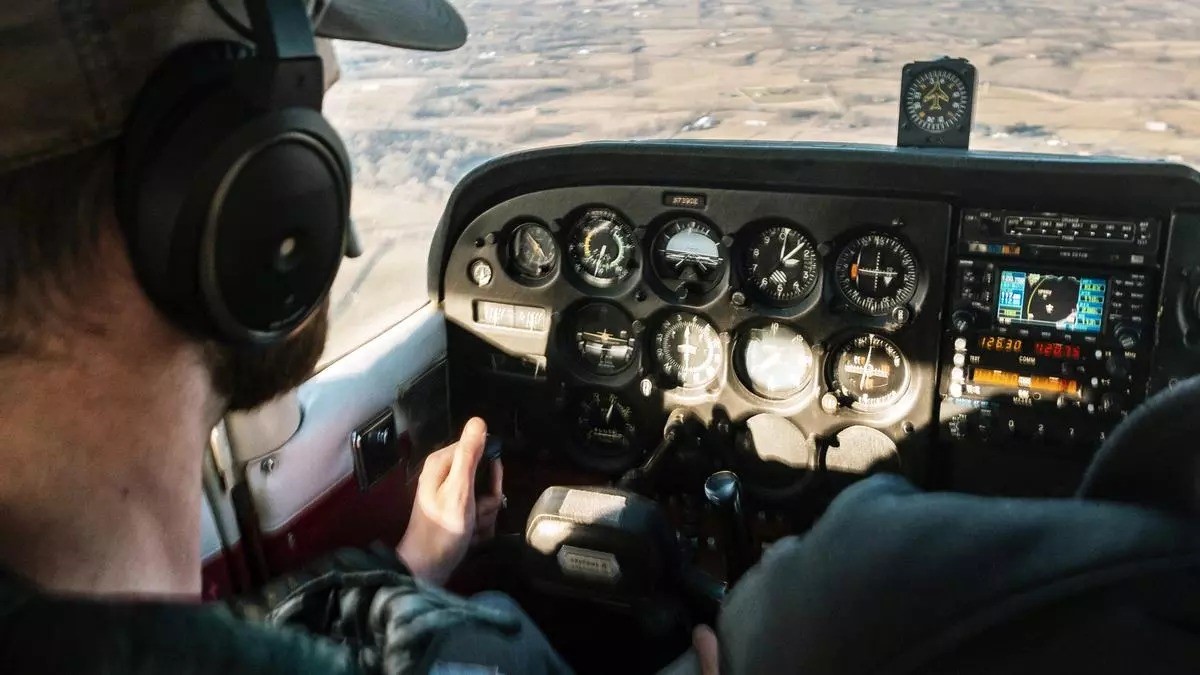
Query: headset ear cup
(184,84)
(230,211)
(275,236)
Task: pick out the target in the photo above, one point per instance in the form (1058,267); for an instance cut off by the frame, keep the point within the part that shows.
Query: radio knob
(1116,366)
(1112,402)
(962,320)
(1127,336)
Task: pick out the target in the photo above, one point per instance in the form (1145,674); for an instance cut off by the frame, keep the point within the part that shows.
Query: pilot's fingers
(704,641)
(497,479)
(487,511)
(488,506)
(435,469)
(466,457)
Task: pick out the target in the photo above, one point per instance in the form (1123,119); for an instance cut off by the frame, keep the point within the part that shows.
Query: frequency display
(1067,303)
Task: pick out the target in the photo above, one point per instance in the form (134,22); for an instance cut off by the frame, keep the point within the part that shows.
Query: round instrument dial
(868,373)
(877,273)
(937,101)
(688,256)
(605,434)
(688,350)
(532,251)
(602,248)
(774,361)
(602,335)
(781,265)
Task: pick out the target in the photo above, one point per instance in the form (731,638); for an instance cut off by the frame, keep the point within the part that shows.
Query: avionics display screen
(1074,304)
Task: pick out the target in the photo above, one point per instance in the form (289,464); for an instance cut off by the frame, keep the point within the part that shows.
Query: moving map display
(1074,304)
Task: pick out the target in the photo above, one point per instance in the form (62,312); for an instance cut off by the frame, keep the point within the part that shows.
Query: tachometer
(774,361)
(688,350)
(780,264)
(688,256)
(532,251)
(868,373)
(877,273)
(602,248)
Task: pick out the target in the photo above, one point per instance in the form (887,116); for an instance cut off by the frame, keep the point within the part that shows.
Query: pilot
(106,405)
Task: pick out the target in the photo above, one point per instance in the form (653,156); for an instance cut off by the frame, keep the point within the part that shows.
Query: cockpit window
(1117,77)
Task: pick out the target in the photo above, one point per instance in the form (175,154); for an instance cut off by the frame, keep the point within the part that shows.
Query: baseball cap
(71,69)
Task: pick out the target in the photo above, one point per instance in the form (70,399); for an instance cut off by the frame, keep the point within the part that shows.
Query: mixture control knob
(1127,336)
(962,320)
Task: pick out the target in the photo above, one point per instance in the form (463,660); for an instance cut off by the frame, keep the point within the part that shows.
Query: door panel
(304,494)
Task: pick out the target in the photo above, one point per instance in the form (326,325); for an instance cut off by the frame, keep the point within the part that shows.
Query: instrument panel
(988,318)
(820,309)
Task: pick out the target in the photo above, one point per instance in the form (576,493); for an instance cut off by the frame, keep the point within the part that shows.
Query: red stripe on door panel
(344,516)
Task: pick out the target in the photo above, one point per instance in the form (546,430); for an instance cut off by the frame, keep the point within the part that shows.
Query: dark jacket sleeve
(892,580)
(50,635)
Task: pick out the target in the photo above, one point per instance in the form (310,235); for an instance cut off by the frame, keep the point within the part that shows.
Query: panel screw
(268,465)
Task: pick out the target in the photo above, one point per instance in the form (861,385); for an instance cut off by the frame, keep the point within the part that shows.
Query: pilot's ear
(329,59)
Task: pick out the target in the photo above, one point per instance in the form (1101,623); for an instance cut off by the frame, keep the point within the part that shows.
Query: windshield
(1095,77)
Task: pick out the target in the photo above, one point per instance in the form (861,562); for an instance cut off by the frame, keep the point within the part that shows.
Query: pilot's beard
(248,377)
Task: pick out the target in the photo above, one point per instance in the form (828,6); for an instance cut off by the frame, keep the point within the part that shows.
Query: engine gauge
(868,373)
(688,256)
(605,435)
(602,335)
(602,248)
(877,273)
(532,251)
(774,361)
(688,350)
(780,264)
(938,100)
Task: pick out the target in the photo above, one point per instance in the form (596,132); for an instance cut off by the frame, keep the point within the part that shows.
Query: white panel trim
(334,402)
(263,430)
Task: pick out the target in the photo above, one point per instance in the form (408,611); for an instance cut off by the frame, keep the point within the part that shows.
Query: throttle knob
(724,489)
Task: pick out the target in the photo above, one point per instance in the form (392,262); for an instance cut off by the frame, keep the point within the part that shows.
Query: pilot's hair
(51,214)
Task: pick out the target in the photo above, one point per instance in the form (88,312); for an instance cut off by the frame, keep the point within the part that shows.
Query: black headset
(232,189)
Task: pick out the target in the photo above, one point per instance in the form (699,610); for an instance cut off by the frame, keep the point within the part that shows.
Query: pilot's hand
(704,641)
(446,516)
